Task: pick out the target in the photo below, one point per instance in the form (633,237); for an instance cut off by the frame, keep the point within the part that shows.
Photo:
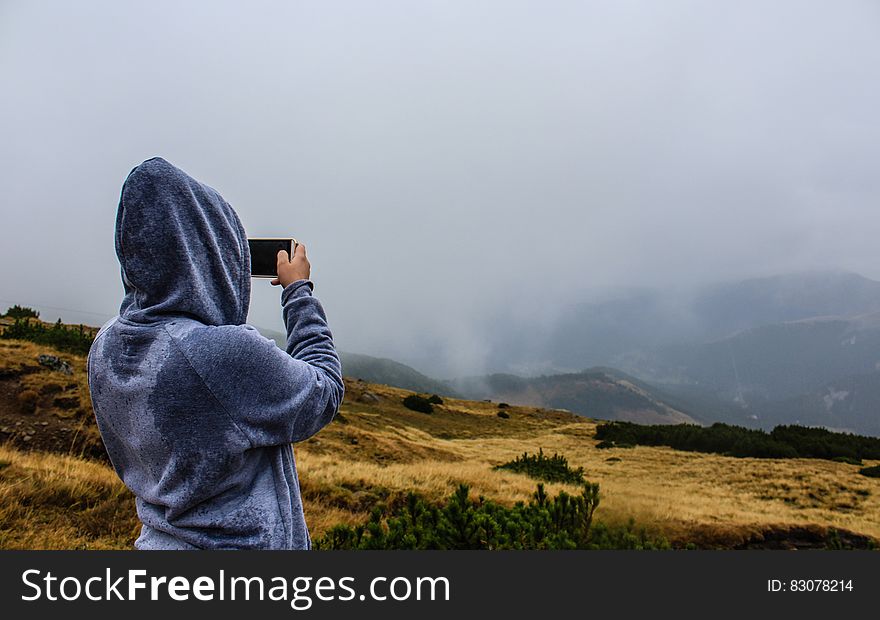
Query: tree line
(786,441)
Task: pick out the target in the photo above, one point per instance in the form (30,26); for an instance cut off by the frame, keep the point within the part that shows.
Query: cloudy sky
(448,164)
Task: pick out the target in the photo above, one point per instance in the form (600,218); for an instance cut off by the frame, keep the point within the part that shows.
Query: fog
(450,166)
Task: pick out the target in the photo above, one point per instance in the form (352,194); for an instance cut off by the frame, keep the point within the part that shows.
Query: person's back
(196,408)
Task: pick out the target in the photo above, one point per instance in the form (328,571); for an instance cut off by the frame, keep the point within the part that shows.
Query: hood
(182,249)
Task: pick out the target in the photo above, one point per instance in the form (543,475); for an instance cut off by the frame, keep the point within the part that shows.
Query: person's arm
(276,396)
(308,336)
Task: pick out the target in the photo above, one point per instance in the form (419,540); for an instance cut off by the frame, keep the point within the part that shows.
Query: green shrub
(847,459)
(75,339)
(561,522)
(552,469)
(418,403)
(21,312)
(871,472)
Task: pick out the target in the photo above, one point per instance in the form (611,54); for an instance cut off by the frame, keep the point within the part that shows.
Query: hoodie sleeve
(274,396)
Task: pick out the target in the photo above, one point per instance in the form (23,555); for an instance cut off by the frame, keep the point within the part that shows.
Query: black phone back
(264,255)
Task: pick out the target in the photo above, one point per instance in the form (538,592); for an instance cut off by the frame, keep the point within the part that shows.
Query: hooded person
(197,410)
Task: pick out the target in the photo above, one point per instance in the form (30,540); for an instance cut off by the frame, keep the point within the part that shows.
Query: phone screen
(264,255)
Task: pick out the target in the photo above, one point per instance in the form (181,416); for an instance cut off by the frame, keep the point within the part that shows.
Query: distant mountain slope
(389,372)
(604,333)
(847,404)
(777,361)
(822,371)
(598,393)
(760,351)
(729,308)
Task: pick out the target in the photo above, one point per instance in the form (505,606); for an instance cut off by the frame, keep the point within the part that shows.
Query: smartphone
(264,254)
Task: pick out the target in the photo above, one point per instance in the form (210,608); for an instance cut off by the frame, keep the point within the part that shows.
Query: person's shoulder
(216,344)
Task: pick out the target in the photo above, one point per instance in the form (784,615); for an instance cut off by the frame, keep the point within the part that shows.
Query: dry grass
(677,493)
(49,501)
(377,451)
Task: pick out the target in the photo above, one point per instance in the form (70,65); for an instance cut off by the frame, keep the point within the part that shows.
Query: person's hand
(292,269)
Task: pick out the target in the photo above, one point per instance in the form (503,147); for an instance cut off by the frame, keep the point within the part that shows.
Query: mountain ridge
(601,393)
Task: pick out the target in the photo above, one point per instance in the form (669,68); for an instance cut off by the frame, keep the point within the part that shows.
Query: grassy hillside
(51,501)
(377,451)
(598,392)
(703,498)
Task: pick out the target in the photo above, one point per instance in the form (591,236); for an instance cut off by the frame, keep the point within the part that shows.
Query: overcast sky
(447,163)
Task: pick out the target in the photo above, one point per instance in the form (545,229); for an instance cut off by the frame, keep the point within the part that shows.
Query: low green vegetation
(871,472)
(550,468)
(781,442)
(418,403)
(21,312)
(561,522)
(73,339)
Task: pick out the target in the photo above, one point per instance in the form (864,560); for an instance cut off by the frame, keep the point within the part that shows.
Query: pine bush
(418,403)
(552,469)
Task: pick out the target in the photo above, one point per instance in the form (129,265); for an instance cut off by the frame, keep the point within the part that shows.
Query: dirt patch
(43,425)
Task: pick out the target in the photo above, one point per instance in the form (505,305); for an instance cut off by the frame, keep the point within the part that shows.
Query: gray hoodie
(196,408)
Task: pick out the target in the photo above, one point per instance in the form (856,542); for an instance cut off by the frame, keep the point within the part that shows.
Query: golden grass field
(378,450)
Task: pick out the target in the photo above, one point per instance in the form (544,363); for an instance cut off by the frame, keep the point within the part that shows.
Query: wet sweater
(197,409)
